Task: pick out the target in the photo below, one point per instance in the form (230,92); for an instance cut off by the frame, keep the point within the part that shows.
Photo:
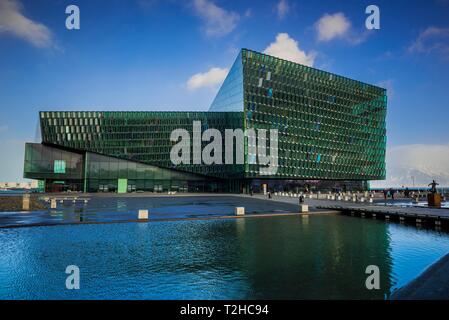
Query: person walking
(392,193)
(407,193)
(385,194)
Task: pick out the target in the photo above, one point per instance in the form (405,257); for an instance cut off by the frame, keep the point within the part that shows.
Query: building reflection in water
(314,258)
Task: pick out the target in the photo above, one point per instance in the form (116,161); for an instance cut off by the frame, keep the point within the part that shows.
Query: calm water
(278,257)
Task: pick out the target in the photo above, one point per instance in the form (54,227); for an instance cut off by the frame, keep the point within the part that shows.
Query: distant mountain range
(416,164)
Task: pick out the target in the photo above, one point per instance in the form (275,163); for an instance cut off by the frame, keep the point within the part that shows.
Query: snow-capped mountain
(416,165)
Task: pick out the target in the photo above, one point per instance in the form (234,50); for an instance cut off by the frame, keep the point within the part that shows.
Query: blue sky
(173,55)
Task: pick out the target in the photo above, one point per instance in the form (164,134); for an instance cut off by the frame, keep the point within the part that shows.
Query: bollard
(143,215)
(303,208)
(53,204)
(374,216)
(362,214)
(26,202)
(239,211)
(362,199)
(387,217)
(370,200)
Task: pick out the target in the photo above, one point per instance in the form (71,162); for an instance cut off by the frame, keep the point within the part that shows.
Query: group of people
(387,192)
(391,192)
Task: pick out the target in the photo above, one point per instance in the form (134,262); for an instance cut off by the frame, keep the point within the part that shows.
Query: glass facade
(230,96)
(137,136)
(62,168)
(93,172)
(330,128)
(105,174)
(46,162)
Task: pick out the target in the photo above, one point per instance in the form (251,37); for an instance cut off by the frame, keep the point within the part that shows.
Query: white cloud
(331,26)
(287,48)
(338,26)
(432,39)
(218,21)
(211,78)
(14,22)
(418,163)
(282,9)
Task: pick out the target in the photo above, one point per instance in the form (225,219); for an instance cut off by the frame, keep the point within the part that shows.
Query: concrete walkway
(376,207)
(112,209)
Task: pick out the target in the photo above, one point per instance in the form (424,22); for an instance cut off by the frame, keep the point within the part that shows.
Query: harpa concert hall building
(330,135)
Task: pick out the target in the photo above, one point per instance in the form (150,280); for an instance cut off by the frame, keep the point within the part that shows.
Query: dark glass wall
(60,170)
(103,173)
(44,162)
(64,170)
